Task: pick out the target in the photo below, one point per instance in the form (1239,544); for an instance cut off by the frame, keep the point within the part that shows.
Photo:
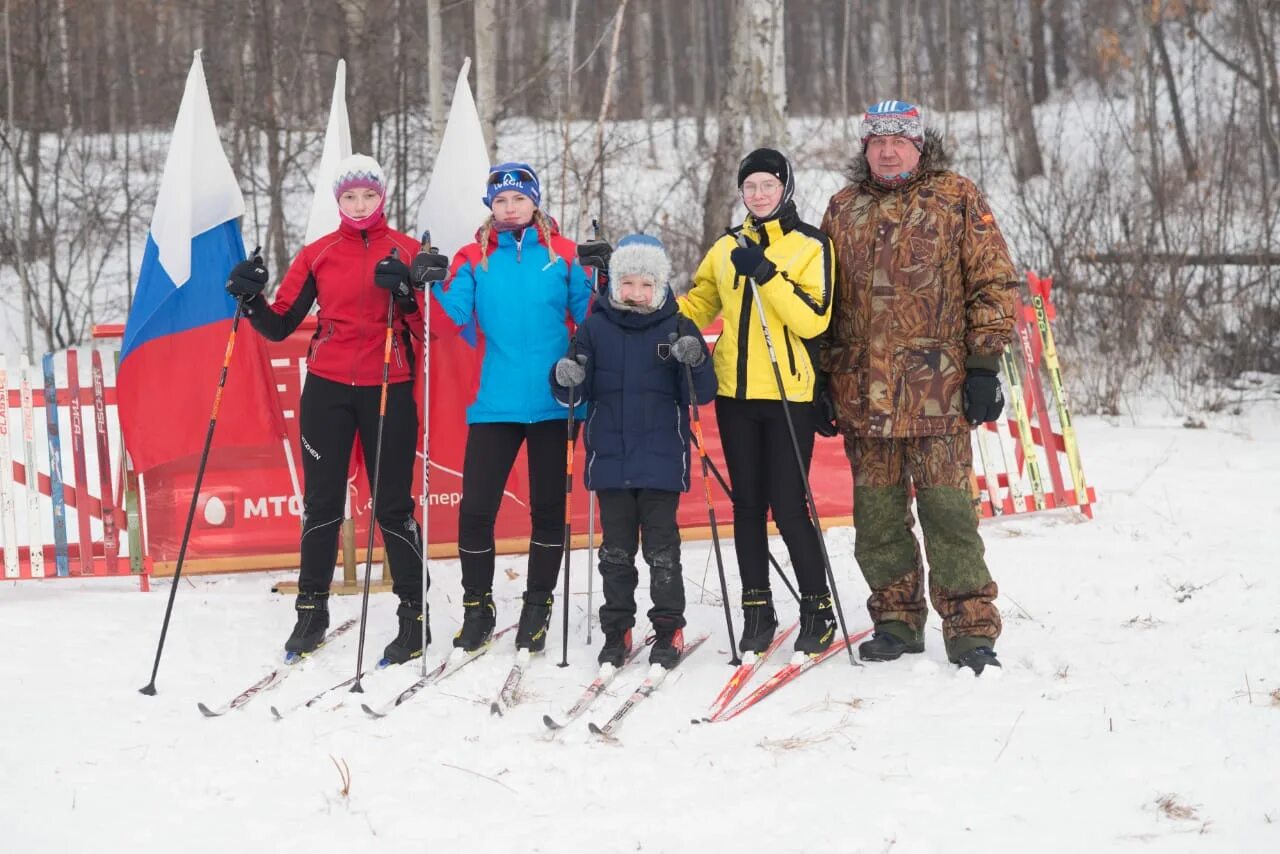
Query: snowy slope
(1142,667)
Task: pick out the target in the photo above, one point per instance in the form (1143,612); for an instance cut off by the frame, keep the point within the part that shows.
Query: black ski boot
(313,622)
(478,619)
(759,622)
(408,643)
(885,646)
(617,646)
(535,619)
(817,624)
(979,659)
(668,644)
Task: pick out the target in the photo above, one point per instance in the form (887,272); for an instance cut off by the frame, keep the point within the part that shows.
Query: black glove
(392,275)
(428,267)
(983,400)
(750,261)
(595,253)
(687,350)
(824,408)
(247,279)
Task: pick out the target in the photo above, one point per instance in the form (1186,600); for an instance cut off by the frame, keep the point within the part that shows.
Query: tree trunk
(435,74)
(1039,74)
(1171,84)
(1059,42)
(721,195)
(268,95)
(765,83)
(698,36)
(485,17)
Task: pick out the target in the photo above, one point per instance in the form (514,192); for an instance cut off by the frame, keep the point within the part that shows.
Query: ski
(604,677)
(657,675)
(59,499)
(508,696)
(110,539)
(799,664)
(751,662)
(271,680)
(453,662)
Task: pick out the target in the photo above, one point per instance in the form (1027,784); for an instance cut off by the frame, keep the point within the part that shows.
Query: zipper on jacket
(315,351)
(520,243)
(791,354)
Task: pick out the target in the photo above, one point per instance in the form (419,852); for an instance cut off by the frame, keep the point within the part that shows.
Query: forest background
(1130,148)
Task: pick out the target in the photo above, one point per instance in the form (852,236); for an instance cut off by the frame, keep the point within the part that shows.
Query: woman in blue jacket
(629,358)
(520,282)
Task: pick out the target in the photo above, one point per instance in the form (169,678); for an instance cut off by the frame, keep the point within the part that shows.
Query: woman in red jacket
(351,273)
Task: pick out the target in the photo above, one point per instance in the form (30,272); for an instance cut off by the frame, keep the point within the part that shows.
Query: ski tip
(206,711)
(601,734)
(495,708)
(275,713)
(370,712)
(551,724)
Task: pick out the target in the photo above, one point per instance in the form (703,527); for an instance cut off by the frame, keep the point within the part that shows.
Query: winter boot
(886,646)
(668,644)
(817,624)
(617,646)
(979,659)
(408,643)
(535,619)
(313,622)
(478,619)
(759,622)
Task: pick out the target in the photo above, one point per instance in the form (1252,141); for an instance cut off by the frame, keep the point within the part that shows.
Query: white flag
(198,190)
(453,207)
(337,147)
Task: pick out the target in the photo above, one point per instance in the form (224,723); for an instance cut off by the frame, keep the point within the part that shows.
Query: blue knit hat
(513,176)
(640,255)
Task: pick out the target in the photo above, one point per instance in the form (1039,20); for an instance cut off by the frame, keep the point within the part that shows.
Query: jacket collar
(373,232)
(772,230)
(635,319)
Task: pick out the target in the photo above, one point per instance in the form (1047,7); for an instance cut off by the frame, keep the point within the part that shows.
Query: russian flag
(179,326)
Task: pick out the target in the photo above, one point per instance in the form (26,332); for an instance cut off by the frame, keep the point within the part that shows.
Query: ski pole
(568,519)
(356,687)
(150,688)
(729,494)
(591,498)
(426,450)
(795,446)
(734,659)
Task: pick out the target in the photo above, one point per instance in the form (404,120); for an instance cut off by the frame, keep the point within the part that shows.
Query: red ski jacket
(336,271)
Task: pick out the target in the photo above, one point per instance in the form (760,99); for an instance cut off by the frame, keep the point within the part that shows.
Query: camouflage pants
(960,586)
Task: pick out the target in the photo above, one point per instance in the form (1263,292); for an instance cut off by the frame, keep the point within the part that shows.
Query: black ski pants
(763,472)
(331,415)
(490,454)
(628,518)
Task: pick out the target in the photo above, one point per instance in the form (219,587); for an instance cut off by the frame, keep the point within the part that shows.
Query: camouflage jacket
(923,292)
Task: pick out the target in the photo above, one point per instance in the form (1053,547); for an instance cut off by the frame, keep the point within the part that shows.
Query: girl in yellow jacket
(793,265)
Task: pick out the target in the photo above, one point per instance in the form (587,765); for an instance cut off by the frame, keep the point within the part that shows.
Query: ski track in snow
(1115,696)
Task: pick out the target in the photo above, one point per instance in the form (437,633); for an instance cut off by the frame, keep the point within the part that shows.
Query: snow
(1138,707)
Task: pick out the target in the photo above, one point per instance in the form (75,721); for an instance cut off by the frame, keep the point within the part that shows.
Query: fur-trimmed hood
(933,158)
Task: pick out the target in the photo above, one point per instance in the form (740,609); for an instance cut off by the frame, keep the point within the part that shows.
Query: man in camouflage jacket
(923,308)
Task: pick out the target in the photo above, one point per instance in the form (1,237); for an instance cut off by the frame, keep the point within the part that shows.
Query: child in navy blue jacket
(628,363)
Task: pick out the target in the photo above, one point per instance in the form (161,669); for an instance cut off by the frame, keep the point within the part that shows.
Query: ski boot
(478,619)
(759,622)
(617,646)
(887,646)
(979,659)
(535,619)
(313,622)
(408,643)
(668,644)
(817,624)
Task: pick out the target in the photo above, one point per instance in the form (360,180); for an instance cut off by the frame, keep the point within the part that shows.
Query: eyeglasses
(510,177)
(764,188)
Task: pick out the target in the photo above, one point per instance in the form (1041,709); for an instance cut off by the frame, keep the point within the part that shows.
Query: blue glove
(750,261)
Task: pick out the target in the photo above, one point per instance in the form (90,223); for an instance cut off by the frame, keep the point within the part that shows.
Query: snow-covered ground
(1138,709)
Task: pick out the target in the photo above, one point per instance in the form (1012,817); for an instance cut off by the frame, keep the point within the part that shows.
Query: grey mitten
(688,350)
(571,372)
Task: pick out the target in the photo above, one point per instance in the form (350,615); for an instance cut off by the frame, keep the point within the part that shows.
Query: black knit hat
(774,163)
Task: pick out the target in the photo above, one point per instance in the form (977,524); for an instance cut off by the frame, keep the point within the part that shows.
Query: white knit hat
(640,255)
(358,170)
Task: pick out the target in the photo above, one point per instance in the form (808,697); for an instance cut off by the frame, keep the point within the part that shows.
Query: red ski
(751,662)
(789,672)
